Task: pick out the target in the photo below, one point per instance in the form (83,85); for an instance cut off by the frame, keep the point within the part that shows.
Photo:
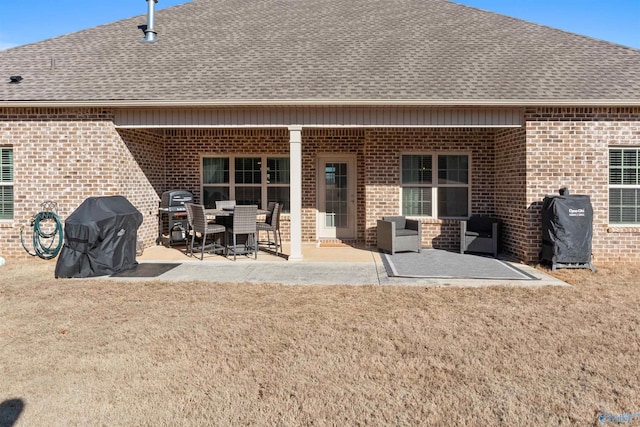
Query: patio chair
(272,223)
(397,234)
(199,225)
(480,234)
(244,223)
(225,204)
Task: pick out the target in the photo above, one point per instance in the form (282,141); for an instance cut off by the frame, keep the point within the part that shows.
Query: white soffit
(309,116)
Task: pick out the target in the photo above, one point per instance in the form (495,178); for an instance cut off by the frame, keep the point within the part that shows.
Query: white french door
(336,199)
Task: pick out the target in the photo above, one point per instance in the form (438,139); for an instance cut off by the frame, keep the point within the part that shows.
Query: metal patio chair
(244,223)
(225,204)
(199,225)
(272,224)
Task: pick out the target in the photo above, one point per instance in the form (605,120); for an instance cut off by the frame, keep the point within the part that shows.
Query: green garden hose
(43,241)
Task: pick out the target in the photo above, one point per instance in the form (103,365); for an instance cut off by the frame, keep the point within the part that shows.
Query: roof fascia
(329,103)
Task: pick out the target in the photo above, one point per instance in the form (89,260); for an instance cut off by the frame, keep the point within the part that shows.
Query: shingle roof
(322,50)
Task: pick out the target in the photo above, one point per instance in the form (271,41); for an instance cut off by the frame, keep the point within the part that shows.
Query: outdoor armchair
(480,234)
(397,233)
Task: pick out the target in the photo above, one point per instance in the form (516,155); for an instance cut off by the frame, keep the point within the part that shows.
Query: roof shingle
(322,50)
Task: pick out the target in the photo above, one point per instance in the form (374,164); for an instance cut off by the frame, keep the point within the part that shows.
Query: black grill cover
(99,238)
(567,229)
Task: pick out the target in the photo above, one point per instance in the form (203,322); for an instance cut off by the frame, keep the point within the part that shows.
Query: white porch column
(295,152)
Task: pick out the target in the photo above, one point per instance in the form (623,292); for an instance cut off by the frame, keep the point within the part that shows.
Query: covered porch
(358,150)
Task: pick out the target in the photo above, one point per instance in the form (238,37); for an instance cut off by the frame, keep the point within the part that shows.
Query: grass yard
(98,352)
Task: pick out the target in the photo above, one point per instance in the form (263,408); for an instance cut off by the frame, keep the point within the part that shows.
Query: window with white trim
(624,186)
(6,183)
(435,185)
(249,180)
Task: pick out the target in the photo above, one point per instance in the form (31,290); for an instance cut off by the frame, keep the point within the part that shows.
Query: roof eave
(326,103)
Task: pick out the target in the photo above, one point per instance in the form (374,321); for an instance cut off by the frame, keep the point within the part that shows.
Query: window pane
(630,176)
(213,194)
(453,202)
(248,170)
(215,170)
(6,164)
(278,171)
(416,201)
(624,205)
(630,158)
(615,158)
(615,175)
(453,169)
(416,169)
(624,169)
(280,195)
(616,166)
(6,202)
(336,195)
(6,176)
(249,196)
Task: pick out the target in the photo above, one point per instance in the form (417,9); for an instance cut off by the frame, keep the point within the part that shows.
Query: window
(6,183)
(435,183)
(624,186)
(248,180)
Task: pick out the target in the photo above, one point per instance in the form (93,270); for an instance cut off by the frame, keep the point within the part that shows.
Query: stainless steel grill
(174,200)
(172,206)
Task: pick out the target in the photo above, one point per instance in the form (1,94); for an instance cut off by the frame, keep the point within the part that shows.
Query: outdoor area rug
(147,269)
(440,264)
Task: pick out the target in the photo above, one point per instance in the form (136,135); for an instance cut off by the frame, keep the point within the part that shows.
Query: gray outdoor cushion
(406,232)
(401,221)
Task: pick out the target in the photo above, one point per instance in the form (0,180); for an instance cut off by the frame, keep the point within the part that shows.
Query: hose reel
(47,234)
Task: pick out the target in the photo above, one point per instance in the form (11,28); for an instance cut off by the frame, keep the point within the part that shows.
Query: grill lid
(175,198)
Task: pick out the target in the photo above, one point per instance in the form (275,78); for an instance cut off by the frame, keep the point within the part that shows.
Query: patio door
(336,200)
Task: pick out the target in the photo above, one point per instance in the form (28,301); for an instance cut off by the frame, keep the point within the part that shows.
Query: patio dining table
(210,213)
(227,214)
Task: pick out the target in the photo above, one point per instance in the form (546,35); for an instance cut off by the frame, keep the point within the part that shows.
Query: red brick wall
(568,147)
(382,175)
(67,155)
(185,148)
(510,196)
(142,178)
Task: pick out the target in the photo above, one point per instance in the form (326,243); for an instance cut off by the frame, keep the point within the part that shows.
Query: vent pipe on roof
(149,31)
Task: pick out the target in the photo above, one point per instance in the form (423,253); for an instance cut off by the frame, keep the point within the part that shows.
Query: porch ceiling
(310,116)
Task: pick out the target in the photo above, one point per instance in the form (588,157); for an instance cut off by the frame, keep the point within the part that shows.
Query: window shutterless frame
(624,186)
(6,183)
(245,176)
(433,184)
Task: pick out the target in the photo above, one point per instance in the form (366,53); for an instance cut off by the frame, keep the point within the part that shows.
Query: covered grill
(172,207)
(567,222)
(100,238)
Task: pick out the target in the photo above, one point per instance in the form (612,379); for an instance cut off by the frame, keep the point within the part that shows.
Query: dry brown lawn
(100,352)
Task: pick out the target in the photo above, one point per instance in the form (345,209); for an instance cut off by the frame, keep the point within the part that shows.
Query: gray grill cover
(567,229)
(100,238)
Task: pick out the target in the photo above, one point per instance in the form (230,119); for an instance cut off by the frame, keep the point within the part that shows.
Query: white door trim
(344,233)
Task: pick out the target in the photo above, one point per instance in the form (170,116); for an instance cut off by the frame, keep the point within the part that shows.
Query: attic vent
(149,31)
(15,79)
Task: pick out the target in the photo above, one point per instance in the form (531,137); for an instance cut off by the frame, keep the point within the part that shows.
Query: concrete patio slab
(321,266)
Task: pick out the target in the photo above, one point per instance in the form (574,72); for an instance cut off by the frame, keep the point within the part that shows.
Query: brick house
(344,110)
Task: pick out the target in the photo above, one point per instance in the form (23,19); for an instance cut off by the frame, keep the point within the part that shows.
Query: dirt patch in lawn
(93,352)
